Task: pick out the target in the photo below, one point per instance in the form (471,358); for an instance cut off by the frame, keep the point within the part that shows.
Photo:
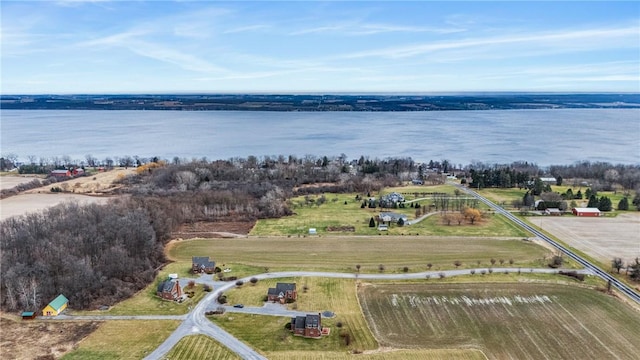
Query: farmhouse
(391,200)
(61,174)
(56,306)
(391,217)
(202,264)
(282,293)
(309,326)
(548,180)
(169,289)
(78,172)
(594,212)
(553,211)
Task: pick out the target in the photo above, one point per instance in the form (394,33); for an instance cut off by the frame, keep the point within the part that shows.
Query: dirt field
(603,238)
(28,203)
(10,181)
(505,321)
(43,339)
(79,189)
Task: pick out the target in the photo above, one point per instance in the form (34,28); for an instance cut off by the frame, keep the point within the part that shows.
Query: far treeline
(319,102)
(100,254)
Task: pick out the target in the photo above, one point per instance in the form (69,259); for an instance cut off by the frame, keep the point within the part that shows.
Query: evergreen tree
(372,222)
(587,193)
(635,270)
(401,222)
(559,181)
(593,201)
(623,204)
(527,200)
(578,195)
(568,195)
(636,201)
(604,204)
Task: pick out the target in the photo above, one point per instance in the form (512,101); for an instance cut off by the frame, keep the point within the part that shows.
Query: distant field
(335,253)
(603,238)
(123,339)
(200,347)
(505,321)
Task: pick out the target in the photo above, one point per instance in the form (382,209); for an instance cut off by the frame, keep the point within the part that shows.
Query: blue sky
(93,46)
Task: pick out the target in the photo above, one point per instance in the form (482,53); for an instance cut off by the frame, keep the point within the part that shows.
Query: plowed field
(505,321)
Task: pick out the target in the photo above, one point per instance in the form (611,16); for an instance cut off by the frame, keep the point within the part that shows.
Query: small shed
(589,212)
(28,315)
(56,306)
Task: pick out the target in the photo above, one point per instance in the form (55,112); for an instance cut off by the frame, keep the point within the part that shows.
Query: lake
(545,137)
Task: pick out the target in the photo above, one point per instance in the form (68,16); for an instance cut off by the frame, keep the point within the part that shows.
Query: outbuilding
(590,212)
(28,315)
(56,306)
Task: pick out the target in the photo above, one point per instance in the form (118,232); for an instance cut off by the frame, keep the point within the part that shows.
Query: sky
(102,46)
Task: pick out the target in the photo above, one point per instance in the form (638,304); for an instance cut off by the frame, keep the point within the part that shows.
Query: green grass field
(335,253)
(200,347)
(123,339)
(342,214)
(268,334)
(518,321)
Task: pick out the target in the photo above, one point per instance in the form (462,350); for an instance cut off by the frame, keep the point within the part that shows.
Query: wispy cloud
(571,40)
(248,28)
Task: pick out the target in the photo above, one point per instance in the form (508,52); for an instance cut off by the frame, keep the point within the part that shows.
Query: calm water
(545,137)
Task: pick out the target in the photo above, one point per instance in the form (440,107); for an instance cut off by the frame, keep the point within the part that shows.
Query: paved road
(622,287)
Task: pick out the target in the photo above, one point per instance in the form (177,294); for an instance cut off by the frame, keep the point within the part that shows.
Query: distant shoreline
(314,103)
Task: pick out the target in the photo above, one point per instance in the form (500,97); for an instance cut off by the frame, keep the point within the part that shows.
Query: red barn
(593,212)
(61,173)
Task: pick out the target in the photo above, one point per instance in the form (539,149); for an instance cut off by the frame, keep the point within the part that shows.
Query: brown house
(282,293)
(202,264)
(169,289)
(309,326)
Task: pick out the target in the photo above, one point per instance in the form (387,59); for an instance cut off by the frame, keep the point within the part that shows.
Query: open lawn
(342,214)
(505,321)
(123,339)
(146,302)
(335,253)
(335,295)
(200,347)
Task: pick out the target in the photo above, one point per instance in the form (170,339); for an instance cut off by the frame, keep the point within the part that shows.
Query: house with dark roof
(282,293)
(56,306)
(169,289)
(309,326)
(202,264)
(392,217)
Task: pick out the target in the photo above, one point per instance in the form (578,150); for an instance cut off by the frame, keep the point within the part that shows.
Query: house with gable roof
(282,293)
(202,264)
(309,326)
(55,307)
(169,289)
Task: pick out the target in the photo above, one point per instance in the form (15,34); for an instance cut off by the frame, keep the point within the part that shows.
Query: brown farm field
(85,189)
(505,321)
(601,237)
